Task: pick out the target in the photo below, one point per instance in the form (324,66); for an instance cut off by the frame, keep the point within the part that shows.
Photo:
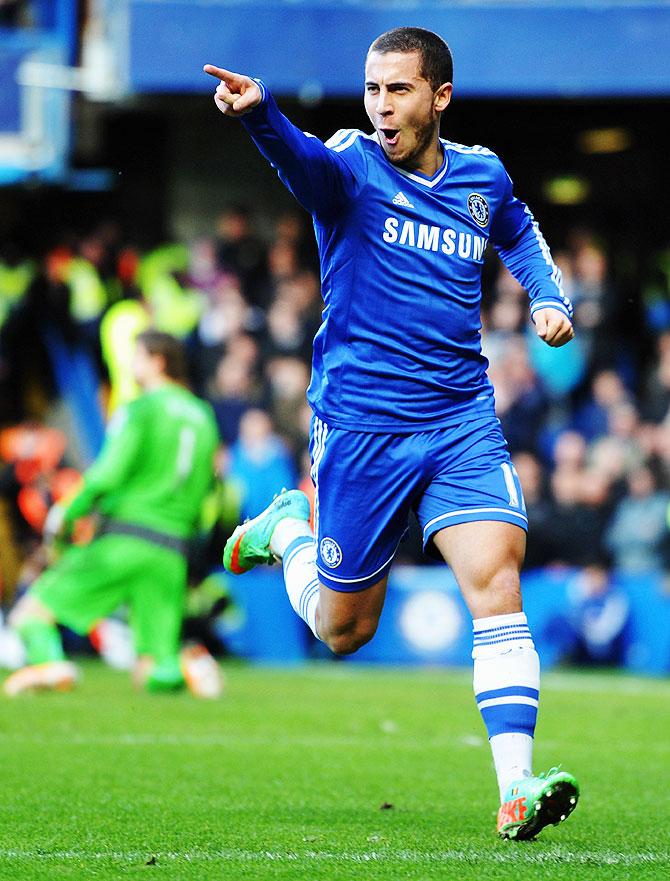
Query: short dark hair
(169,348)
(437,65)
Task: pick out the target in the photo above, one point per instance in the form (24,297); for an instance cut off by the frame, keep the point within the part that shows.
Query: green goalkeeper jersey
(156,466)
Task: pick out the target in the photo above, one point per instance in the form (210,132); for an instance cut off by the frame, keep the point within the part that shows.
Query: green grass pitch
(284,778)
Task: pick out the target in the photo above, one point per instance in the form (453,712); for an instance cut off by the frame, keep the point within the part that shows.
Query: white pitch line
(557,856)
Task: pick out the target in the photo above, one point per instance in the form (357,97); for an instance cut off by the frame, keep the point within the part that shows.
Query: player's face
(143,366)
(402,106)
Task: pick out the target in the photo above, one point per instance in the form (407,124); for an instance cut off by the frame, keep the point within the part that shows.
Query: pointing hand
(236,94)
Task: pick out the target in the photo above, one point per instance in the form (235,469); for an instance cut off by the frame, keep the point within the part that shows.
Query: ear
(442,97)
(161,363)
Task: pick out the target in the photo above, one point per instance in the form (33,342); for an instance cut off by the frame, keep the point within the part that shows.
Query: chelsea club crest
(479,209)
(331,554)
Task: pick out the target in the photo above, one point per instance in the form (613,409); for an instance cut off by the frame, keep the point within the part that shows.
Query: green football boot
(532,803)
(249,545)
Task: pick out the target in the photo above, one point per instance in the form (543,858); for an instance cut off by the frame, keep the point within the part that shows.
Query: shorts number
(511,481)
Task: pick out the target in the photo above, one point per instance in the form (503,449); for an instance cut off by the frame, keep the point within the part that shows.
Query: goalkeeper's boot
(532,803)
(249,545)
(201,672)
(49,676)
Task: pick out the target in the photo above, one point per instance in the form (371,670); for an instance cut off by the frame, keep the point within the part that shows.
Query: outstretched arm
(319,178)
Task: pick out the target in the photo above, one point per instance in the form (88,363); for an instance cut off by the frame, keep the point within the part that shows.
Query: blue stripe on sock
(308,588)
(526,636)
(510,690)
(306,595)
(295,545)
(305,605)
(510,719)
(521,628)
(502,627)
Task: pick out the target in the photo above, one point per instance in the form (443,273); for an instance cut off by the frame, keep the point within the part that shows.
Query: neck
(429,160)
(154,382)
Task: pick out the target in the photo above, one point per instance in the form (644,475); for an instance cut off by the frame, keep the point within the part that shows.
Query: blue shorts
(366,484)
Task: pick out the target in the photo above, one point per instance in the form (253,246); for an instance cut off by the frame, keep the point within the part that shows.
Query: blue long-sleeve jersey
(401,254)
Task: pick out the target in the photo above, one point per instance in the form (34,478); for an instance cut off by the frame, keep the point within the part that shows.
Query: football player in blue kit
(403,410)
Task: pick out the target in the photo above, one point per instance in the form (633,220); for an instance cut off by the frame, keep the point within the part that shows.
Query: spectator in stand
(533,483)
(240,251)
(637,535)
(226,315)
(42,315)
(593,301)
(594,631)
(16,273)
(286,332)
(656,391)
(233,391)
(607,391)
(661,450)
(290,226)
(283,265)
(203,269)
(576,525)
(520,399)
(589,286)
(569,452)
(246,349)
(260,463)
(287,379)
(88,294)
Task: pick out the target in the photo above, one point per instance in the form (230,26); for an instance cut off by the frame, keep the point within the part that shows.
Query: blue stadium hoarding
(426,623)
(34,122)
(541,49)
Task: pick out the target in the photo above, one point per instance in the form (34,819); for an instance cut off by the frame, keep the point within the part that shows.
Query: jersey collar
(422,179)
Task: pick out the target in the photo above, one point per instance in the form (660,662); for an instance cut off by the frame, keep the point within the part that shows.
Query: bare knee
(495,594)
(347,637)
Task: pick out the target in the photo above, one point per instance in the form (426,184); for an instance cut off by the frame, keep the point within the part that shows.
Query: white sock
(512,758)
(286,532)
(300,576)
(507,687)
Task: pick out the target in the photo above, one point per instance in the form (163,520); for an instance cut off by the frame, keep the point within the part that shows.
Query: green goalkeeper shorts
(91,581)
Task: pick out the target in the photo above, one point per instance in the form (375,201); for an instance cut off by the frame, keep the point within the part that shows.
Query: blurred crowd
(588,424)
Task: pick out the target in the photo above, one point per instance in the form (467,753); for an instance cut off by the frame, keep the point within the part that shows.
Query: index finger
(226,76)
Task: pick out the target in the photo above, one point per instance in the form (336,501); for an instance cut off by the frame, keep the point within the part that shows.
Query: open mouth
(390,135)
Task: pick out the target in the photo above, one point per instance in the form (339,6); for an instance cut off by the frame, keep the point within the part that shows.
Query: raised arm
(321,179)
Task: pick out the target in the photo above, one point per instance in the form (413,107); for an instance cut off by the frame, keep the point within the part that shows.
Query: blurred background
(127,200)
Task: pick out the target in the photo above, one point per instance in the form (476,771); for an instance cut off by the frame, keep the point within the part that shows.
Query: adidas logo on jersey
(401,199)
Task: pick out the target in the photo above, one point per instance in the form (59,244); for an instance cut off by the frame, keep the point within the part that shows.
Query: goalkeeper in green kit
(147,486)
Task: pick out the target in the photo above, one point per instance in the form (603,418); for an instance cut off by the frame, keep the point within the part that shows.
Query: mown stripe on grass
(515,855)
(242,739)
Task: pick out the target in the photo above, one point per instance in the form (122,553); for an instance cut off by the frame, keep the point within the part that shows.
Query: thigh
(363,491)
(486,558)
(473,480)
(157,597)
(86,584)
